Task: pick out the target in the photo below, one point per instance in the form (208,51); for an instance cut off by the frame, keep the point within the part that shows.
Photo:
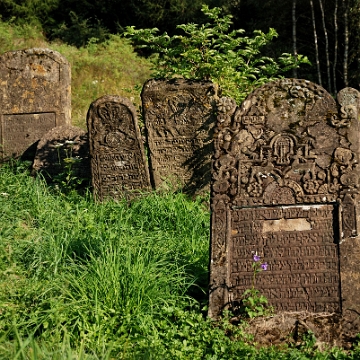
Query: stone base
(291,328)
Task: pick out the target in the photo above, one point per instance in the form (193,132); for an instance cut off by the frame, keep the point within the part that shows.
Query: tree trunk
(335,45)
(346,42)
(326,46)
(316,43)
(294,36)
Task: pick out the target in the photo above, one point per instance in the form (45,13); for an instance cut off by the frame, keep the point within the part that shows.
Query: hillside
(97,69)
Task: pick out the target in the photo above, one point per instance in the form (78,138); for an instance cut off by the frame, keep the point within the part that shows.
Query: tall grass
(111,67)
(94,271)
(82,280)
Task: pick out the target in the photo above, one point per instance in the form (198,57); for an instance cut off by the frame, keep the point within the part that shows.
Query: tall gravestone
(286,185)
(179,121)
(118,163)
(35,96)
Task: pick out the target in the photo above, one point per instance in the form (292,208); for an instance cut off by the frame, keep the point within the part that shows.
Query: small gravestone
(63,151)
(118,163)
(34,97)
(286,186)
(179,121)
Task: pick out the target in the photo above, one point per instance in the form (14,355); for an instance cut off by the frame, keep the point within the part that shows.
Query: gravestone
(179,121)
(118,163)
(286,186)
(34,97)
(61,150)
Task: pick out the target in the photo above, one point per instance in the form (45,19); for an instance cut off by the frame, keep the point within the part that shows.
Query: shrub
(214,51)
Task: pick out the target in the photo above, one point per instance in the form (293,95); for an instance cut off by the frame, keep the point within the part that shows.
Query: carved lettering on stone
(179,121)
(117,156)
(285,184)
(35,96)
(303,272)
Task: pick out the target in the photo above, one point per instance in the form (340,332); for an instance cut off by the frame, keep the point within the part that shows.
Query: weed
(66,179)
(253,303)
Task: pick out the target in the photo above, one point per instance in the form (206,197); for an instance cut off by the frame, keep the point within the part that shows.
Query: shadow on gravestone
(118,163)
(35,96)
(285,185)
(179,120)
(62,156)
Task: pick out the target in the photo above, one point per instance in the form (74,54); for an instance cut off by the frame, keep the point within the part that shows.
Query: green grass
(116,280)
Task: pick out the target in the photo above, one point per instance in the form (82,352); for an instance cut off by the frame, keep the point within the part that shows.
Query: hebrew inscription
(299,245)
(35,96)
(285,184)
(23,129)
(179,121)
(117,157)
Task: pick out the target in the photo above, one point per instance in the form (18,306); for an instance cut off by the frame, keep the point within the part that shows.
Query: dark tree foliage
(29,11)
(77,21)
(256,14)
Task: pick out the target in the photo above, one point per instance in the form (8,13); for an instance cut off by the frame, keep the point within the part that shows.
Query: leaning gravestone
(63,151)
(34,97)
(286,185)
(118,163)
(179,121)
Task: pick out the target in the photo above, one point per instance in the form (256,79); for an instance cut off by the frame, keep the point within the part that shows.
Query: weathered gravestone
(118,163)
(179,121)
(286,185)
(34,97)
(64,152)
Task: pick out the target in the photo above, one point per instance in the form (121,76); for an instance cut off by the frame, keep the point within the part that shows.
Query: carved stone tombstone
(118,163)
(35,96)
(179,121)
(286,185)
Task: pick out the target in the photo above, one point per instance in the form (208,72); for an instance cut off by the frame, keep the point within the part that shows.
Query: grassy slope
(99,273)
(80,280)
(110,68)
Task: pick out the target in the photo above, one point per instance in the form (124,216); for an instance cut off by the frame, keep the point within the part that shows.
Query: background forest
(326,31)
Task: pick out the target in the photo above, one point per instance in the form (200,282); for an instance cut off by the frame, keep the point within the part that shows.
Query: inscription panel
(117,158)
(298,244)
(22,130)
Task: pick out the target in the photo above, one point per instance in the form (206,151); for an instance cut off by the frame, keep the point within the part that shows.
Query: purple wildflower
(264,266)
(256,257)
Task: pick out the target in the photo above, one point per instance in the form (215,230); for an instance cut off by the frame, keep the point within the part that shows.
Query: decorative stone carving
(285,184)
(179,121)
(118,163)
(35,96)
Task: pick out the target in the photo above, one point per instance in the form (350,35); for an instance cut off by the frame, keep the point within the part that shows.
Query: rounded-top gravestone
(118,163)
(35,96)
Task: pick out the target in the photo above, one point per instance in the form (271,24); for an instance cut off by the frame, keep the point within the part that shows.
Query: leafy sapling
(217,52)
(66,178)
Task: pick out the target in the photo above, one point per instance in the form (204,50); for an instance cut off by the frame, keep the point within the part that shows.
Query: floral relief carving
(286,131)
